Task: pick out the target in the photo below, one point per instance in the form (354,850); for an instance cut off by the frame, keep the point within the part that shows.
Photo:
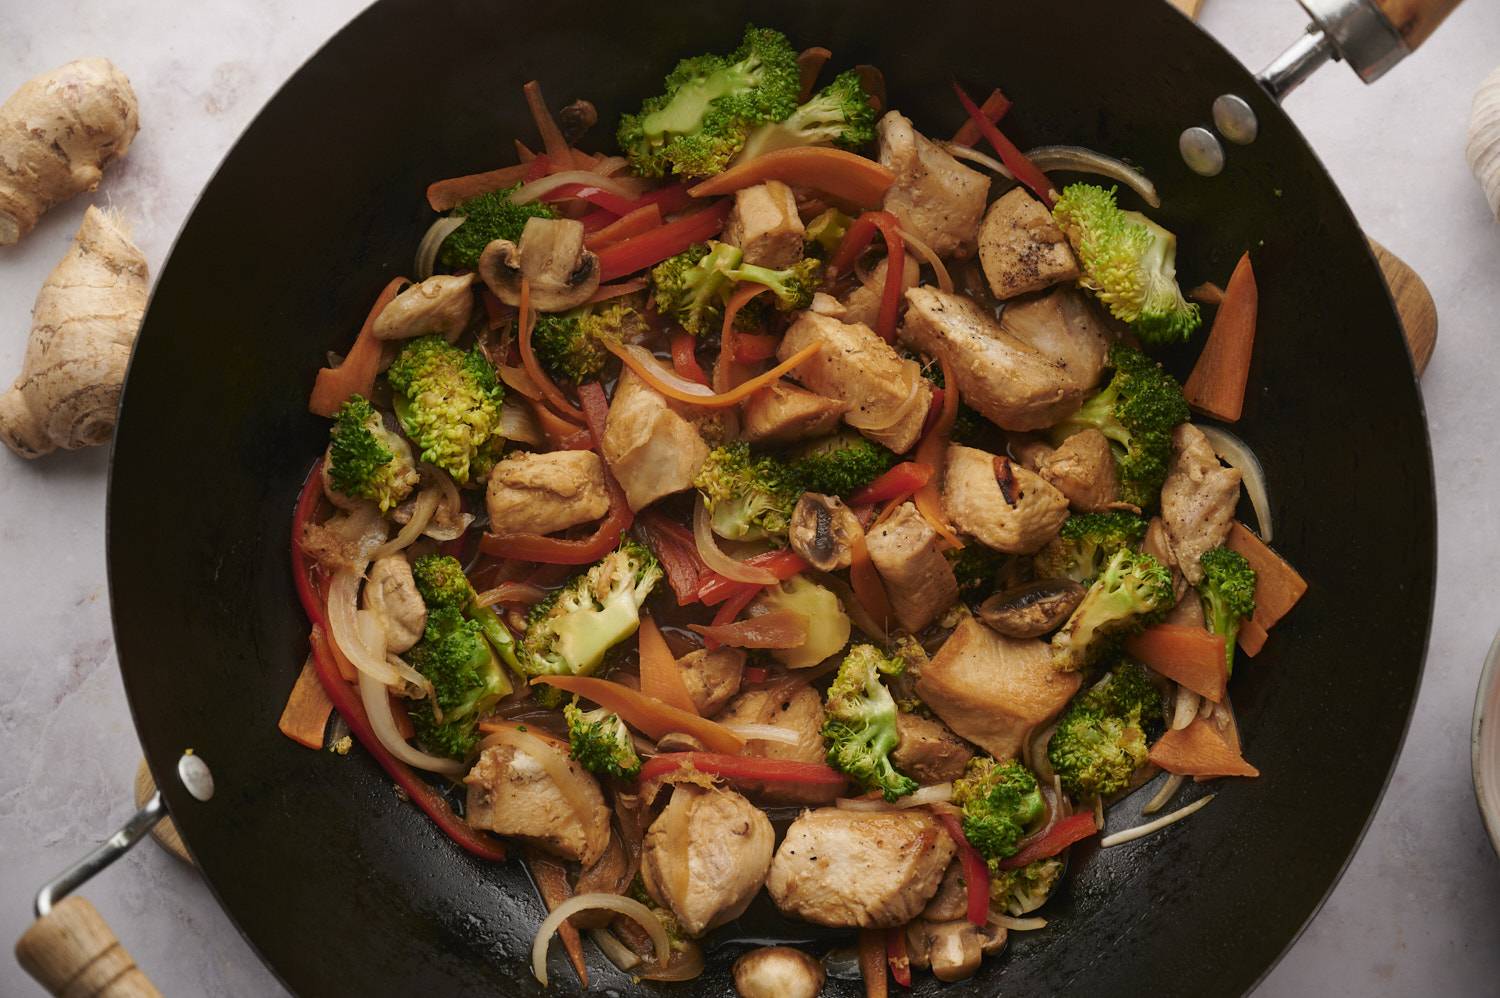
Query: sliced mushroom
(1033,608)
(440,305)
(952,949)
(551,256)
(824,531)
(778,972)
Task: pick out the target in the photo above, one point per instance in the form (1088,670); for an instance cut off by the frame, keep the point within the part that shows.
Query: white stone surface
(1417,911)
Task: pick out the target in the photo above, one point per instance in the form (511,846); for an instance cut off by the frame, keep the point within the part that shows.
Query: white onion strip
(552,761)
(1013,924)
(377,700)
(518,422)
(1168,790)
(765,733)
(665,374)
(958,151)
(1141,831)
(454,521)
(343,624)
(1240,457)
(538,189)
(936,794)
(1185,710)
(619,954)
(610,165)
(1081,160)
(421,515)
(714,558)
(944,279)
(877,420)
(432,241)
(629,907)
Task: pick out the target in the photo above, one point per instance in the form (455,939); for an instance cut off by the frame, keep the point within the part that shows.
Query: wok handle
(73,952)
(1415,20)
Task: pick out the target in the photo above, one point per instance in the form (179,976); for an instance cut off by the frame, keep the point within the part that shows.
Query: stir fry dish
(788,501)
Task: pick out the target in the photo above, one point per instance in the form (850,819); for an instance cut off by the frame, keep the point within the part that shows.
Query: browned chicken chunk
(993,690)
(935,197)
(885,391)
(391,592)
(652,450)
(765,225)
(907,553)
(852,868)
(798,709)
(782,413)
(1197,500)
(928,752)
(1021,248)
(510,793)
(712,677)
(440,305)
(542,493)
(1159,547)
(1000,503)
(1083,469)
(706,856)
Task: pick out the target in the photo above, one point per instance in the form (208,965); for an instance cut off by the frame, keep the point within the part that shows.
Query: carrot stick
(356,375)
(443,195)
(725,373)
(552,883)
(305,717)
(608,292)
(346,668)
(1278,587)
(872,962)
(1199,750)
(810,63)
(643,219)
(843,175)
(933,452)
(524,153)
(646,713)
(553,144)
(1217,384)
(660,677)
(685,357)
(550,391)
(1189,656)
(868,587)
(1252,637)
(651,374)
(404,727)
(994,108)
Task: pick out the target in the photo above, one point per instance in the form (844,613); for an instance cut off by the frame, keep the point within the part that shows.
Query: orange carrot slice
(356,375)
(1217,384)
(1189,656)
(810,63)
(305,717)
(444,195)
(549,390)
(559,154)
(1278,587)
(1199,750)
(646,713)
(651,373)
(660,676)
(841,174)
(643,219)
(1252,637)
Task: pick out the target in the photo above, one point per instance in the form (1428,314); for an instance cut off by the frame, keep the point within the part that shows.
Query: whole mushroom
(823,530)
(777,972)
(551,257)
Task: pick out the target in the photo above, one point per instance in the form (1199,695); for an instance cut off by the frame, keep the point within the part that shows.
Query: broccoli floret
(840,114)
(1132,590)
(1085,542)
(748,498)
(999,801)
(441,582)
(692,287)
(467,680)
(793,287)
(861,722)
(839,465)
(824,233)
(710,105)
(366,460)
(569,344)
(1228,594)
(448,402)
(1023,891)
(487,217)
(1137,411)
(568,633)
(1101,739)
(975,567)
(1129,261)
(601,743)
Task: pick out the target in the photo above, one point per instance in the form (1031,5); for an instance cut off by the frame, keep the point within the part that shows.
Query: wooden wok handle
(1416,19)
(73,952)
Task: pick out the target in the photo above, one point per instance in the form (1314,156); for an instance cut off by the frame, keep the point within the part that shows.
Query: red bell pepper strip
(755,674)
(669,199)
(685,357)
(634,224)
(902,479)
(1063,834)
(673,545)
(896,955)
(784,563)
(976,871)
(639,252)
(552,550)
(995,107)
(1025,170)
(744,768)
(856,241)
(750,348)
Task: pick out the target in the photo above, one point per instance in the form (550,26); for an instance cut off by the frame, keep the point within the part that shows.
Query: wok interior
(340,884)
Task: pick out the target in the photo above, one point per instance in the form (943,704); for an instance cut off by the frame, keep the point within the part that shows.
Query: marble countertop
(1416,912)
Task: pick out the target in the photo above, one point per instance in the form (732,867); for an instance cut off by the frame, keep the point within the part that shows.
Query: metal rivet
(1201,151)
(1235,120)
(195,775)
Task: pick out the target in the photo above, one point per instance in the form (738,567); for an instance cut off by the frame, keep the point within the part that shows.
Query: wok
(341,886)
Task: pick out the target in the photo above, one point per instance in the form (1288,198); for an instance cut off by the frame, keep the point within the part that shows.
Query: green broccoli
(839,465)
(568,344)
(441,582)
(1022,891)
(861,722)
(825,233)
(999,801)
(840,114)
(467,680)
(710,105)
(448,402)
(1085,542)
(693,287)
(1129,261)
(487,217)
(975,567)
(1137,411)
(366,460)
(601,743)
(1132,590)
(748,498)
(1228,594)
(1102,738)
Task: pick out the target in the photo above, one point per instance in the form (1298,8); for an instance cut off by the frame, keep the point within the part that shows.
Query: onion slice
(377,701)
(432,241)
(544,755)
(538,189)
(518,422)
(1171,786)
(1014,924)
(960,151)
(876,420)
(1185,709)
(935,794)
(1141,831)
(629,907)
(664,374)
(619,954)
(511,592)
(1079,159)
(421,515)
(450,526)
(343,626)
(944,279)
(765,733)
(714,558)
(1237,455)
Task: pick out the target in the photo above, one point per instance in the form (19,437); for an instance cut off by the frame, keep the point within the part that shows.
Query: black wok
(345,889)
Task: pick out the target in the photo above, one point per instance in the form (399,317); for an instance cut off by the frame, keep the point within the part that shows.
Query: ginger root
(83,324)
(57,134)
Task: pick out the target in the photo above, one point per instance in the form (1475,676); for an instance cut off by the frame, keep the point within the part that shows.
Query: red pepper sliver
(685,357)
(1066,832)
(896,955)
(673,545)
(976,871)
(1025,170)
(750,348)
(639,252)
(856,240)
(902,479)
(783,564)
(995,107)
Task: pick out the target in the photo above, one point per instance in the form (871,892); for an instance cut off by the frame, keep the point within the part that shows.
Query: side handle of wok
(1415,20)
(72,951)
(1370,35)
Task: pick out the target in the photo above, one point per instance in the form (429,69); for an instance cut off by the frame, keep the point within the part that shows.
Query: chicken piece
(712,677)
(543,493)
(993,690)
(652,450)
(852,868)
(928,752)
(860,369)
(863,303)
(391,592)
(1021,248)
(1157,546)
(1083,469)
(1197,500)
(935,197)
(510,793)
(1024,371)
(1000,503)
(907,553)
(952,898)
(766,226)
(440,305)
(782,413)
(706,856)
(1029,450)
(798,709)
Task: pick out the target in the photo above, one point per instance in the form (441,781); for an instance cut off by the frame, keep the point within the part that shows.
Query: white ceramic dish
(1484,742)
